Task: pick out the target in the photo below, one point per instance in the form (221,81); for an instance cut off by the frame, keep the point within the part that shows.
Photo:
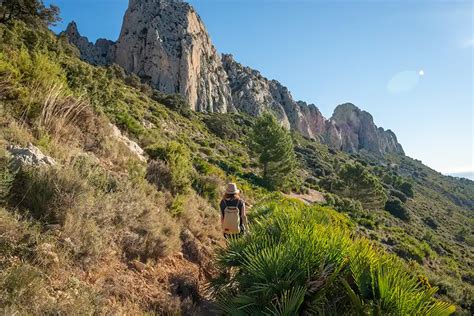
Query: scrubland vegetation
(303,260)
(103,231)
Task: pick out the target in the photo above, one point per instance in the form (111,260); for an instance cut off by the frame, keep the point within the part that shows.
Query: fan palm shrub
(301,259)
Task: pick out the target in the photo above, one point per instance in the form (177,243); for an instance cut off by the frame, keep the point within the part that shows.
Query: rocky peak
(100,53)
(253,93)
(166,43)
(357,131)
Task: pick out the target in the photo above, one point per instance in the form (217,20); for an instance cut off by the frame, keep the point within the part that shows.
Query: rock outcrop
(29,156)
(166,44)
(254,94)
(130,144)
(100,53)
(351,129)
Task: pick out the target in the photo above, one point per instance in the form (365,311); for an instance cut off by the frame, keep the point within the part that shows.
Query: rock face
(100,53)
(352,129)
(254,94)
(166,44)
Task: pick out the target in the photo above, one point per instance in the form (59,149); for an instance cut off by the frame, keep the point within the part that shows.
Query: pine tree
(274,145)
(360,184)
(30,11)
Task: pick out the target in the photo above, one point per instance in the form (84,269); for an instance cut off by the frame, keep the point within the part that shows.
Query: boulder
(131,145)
(29,156)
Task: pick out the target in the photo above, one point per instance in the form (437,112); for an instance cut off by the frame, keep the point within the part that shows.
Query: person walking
(233,217)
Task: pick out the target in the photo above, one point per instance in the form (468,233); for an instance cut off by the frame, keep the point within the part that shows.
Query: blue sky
(369,53)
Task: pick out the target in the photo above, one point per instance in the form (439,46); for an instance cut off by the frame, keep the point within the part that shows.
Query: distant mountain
(466,175)
(166,44)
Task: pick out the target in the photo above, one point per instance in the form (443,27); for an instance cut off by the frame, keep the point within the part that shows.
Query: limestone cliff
(355,129)
(166,44)
(252,93)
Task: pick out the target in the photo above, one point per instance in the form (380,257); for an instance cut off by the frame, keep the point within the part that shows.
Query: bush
(431,222)
(222,125)
(174,102)
(159,174)
(21,286)
(7,177)
(395,207)
(48,193)
(300,260)
(360,184)
(174,169)
(409,251)
(398,194)
(407,189)
(209,187)
(207,169)
(342,204)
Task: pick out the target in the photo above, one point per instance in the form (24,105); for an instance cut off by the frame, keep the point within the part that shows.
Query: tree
(407,189)
(360,184)
(274,145)
(29,11)
(395,207)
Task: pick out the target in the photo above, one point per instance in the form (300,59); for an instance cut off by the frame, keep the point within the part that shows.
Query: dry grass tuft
(60,109)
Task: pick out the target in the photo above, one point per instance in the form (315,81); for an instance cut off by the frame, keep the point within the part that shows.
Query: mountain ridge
(167,45)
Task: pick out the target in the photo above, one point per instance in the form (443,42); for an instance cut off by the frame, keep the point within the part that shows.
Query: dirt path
(311,197)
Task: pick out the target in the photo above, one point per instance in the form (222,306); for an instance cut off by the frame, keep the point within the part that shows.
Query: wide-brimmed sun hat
(232,188)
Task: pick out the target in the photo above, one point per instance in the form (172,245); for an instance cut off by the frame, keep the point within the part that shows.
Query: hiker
(233,217)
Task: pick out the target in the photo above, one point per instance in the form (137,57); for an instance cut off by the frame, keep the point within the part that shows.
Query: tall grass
(60,109)
(303,260)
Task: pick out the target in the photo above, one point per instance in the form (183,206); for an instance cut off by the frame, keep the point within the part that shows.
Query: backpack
(231,222)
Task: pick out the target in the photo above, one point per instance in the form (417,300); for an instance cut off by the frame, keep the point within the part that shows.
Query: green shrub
(342,204)
(174,169)
(398,194)
(409,251)
(94,174)
(209,187)
(300,260)
(129,123)
(177,205)
(407,189)
(360,184)
(7,177)
(431,222)
(462,234)
(222,125)
(48,193)
(174,102)
(133,81)
(395,207)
